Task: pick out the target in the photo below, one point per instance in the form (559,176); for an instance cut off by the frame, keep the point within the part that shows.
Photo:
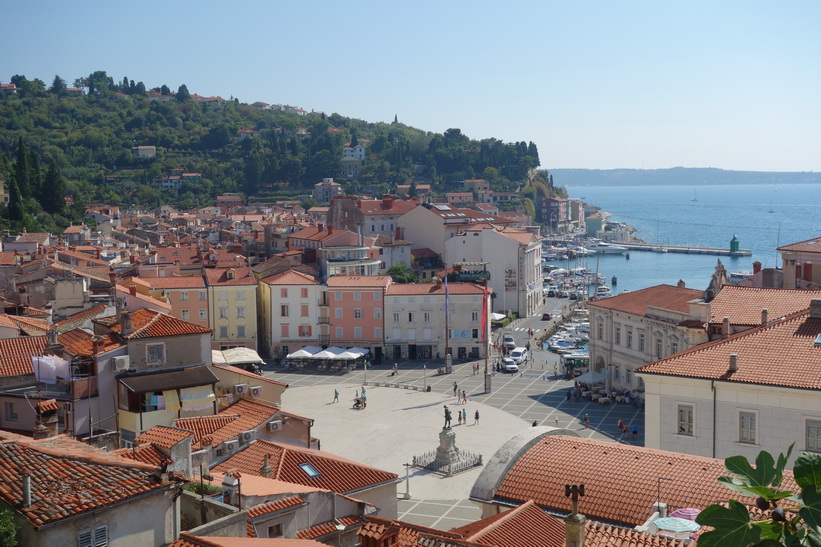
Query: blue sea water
(670,215)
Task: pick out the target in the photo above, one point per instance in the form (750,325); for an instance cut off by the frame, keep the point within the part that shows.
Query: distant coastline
(677,176)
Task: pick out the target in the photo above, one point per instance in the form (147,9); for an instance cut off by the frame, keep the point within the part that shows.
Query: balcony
(324,320)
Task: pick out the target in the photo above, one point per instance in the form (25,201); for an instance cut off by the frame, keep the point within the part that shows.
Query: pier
(684,249)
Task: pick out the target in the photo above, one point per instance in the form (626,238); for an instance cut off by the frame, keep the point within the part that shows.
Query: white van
(507,340)
(518,355)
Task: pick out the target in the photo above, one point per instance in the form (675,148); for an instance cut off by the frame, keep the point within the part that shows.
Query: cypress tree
(54,190)
(22,170)
(15,208)
(35,175)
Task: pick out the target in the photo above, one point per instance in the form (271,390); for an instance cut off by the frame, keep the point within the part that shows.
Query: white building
(757,390)
(514,258)
(288,312)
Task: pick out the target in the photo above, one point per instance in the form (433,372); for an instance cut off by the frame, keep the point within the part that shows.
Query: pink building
(355,311)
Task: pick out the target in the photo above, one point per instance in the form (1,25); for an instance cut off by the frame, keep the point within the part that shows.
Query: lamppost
(425,373)
(407,495)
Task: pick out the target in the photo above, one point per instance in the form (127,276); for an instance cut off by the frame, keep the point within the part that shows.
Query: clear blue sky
(597,84)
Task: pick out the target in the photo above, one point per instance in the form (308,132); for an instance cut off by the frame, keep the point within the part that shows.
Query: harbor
(684,249)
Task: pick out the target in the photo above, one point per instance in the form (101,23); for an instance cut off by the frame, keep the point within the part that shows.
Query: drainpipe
(713,388)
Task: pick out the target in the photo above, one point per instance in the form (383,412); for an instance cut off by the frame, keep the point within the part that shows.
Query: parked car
(508,365)
(546,317)
(518,355)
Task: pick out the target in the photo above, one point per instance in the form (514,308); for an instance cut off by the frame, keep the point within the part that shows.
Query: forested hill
(89,132)
(676,176)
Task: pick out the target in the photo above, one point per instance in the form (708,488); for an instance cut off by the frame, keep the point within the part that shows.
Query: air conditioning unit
(122,363)
(256,391)
(239,389)
(248,436)
(229,397)
(230,446)
(275,425)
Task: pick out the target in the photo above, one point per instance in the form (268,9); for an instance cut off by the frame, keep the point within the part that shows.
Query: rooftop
(666,297)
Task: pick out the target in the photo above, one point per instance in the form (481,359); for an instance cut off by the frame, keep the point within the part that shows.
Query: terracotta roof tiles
(147,323)
(434,289)
(16,354)
(329,527)
(164,436)
(666,297)
(743,305)
(335,473)
(809,246)
(518,527)
(204,426)
(274,506)
(343,281)
(291,277)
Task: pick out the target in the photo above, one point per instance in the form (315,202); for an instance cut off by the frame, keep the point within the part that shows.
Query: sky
(596,84)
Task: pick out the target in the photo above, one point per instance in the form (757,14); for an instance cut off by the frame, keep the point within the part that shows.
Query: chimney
(765,316)
(266,470)
(680,284)
(112,277)
(330,229)
(575,521)
(398,233)
(725,327)
(815,308)
(756,267)
(733,362)
(125,323)
(387,200)
(26,490)
(97,344)
(133,290)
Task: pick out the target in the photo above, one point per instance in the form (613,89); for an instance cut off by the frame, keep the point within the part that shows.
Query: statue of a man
(447,417)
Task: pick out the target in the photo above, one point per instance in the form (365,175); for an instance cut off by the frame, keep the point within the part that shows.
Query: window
(283,331)
(184,295)
(224,295)
(223,313)
(813,440)
(685,420)
(93,537)
(203,314)
(395,317)
(377,296)
(628,376)
(338,313)
(410,317)
(223,332)
(357,313)
(746,427)
(641,341)
(283,292)
(303,310)
(203,295)
(674,346)
(240,295)
(357,332)
(658,346)
(600,331)
(357,295)
(305,330)
(275,531)
(426,316)
(377,313)
(283,310)
(155,354)
(303,292)
(377,333)
(9,411)
(474,316)
(475,333)
(184,315)
(338,295)
(309,470)
(240,331)
(629,342)
(339,332)
(617,336)
(240,313)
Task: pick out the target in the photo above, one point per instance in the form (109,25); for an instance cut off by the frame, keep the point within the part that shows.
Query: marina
(684,249)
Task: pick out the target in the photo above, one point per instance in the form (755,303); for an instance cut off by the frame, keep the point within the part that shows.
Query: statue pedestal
(447,453)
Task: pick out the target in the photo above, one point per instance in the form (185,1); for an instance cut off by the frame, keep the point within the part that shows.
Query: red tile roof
(250,415)
(519,527)
(743,305)
(335,473)
(78,342)
(599,534)
(327,528)
(665,297)
(351,281)
(69,480)
(783,353)
(204,426)
(32,326)
(188,540)
(147,453)
(435,289)
(291,277)
(274,506)
(218,277)
(809,246)
(16,354)
(175,282)
(147,323)
(78,318)
(164,436)
(396,206)
(620,480)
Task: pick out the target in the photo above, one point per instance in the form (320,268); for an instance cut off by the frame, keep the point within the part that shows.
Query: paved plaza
(401,422)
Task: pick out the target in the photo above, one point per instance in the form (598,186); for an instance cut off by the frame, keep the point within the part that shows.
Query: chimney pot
(815,308)
(733,362)
(725,327)
(756,267)
(133,290)
(26,489)
(765,316)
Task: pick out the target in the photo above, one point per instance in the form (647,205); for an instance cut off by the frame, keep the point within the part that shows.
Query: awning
(235,356)
(307,351)
(332,352)
(497,316)
(163,381)
(591,377)
(197,398)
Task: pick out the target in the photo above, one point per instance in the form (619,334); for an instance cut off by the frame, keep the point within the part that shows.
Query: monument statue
(447,418)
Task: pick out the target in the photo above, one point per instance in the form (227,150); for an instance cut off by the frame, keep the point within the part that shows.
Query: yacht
(603,291)
(602,247)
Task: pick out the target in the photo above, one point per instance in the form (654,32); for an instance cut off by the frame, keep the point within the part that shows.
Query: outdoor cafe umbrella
(687,513)
(675,524)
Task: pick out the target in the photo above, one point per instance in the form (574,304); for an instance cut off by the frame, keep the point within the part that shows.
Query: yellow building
(232,295)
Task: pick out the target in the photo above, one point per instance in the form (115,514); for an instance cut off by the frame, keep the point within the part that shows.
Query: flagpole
(486,335)
(447,328)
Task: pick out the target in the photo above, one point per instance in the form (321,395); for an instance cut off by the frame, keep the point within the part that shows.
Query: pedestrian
(476,417)
(555,374)
(454,388)
(535,423)
(635,431)
(586,421)
(464,414)
(464,397)
(459,416)
(336,396)
(568,395)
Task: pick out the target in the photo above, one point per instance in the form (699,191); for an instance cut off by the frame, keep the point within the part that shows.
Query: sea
(762,217)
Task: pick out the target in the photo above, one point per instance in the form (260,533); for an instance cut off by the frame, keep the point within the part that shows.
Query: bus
(575,364)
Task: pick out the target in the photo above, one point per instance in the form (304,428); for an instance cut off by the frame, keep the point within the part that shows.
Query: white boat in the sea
(602,291)
(602,247)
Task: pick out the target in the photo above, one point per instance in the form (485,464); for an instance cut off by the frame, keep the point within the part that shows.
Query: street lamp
(425,373)
(407,495)
(339,529)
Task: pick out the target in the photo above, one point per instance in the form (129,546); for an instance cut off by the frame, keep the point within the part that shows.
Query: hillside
(675,176)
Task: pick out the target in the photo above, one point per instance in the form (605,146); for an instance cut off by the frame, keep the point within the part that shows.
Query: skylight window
(817,340)
(442,207)
(310,470)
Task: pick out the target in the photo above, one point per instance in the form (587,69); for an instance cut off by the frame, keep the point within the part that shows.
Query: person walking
(464,397)
(459,417)
(336,396)
(464,416)
(476,417)
(586,421)
(635,431)
(555,374)
(455,387)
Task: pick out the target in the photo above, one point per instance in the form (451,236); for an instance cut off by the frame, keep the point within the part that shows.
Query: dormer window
(229,274)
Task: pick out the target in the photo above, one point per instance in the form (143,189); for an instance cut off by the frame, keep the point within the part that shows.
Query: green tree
(8,529)
(164,90)
(54,191)
(58,86)
(789,519)
(401,274)
(22,170)
(182,94)
(15,207)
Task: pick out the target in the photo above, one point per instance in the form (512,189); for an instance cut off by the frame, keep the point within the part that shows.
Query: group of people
(462,416)
(359,401)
